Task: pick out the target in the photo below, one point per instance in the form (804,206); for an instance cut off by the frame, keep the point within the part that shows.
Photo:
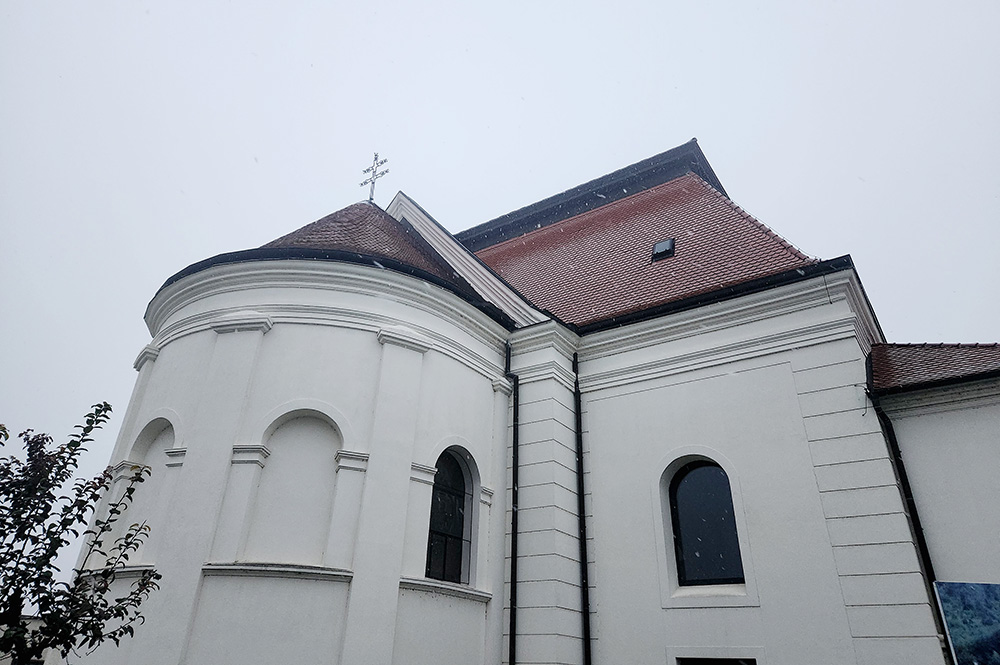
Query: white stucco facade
(292,418)
(950,440)
(293,412)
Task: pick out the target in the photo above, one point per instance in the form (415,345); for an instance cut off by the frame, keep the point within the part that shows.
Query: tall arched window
(701,512)
(450,535)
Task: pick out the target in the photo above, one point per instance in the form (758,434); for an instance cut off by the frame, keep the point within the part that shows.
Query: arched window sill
(277,570)
(446,588)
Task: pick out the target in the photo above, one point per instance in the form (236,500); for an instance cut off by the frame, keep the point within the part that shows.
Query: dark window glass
(705,541)
(716,661)
(447,527)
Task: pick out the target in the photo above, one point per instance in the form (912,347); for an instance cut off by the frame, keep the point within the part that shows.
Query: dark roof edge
(927,385)
(285,253)
(624,182)
(720,295)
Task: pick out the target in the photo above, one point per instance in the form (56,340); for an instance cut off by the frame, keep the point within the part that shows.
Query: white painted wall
(298,409)
(771,389)
(950,442)
(307,403)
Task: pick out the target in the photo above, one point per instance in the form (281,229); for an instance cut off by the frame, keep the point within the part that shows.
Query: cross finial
(375,175)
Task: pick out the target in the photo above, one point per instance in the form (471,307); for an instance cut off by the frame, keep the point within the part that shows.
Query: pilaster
(549,623)
(378,557)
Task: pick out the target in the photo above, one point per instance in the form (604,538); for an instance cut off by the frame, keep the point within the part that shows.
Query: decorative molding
(240,569)
(543,336)
(725,354)
(296,274)
(446,588)
(317,315)
(972,395)
(545,371)
(250,454)
(502,386)
(124,469)
(486,496)
(175,456)
(814,293)
(349,460)
(483,280)
(405,338)
(241,321)
(148,354)
(422,473)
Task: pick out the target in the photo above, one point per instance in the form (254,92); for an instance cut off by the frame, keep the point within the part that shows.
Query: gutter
(581,513)
(516,396)
(923,553)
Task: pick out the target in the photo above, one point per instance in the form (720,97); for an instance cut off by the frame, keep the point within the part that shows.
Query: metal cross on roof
(375,175)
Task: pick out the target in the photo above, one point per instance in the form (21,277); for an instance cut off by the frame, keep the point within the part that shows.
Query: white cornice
(970,395)
(502,386)
(545,371)
(322,275)
(487,284)
(855,321)
(345,277)
(751,347)
(817,292)
(546,335)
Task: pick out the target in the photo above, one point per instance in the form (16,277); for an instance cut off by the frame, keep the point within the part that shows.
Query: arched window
(450,535)
(704,529)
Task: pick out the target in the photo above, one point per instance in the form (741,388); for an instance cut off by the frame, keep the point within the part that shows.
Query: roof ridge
(761,226)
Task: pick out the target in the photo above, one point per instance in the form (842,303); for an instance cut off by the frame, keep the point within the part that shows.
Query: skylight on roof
(663,249)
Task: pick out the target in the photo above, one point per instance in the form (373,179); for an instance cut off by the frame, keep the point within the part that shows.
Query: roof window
(663,249)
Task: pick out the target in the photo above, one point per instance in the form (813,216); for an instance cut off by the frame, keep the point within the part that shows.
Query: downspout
(581,512)
(924,554)
(515,394)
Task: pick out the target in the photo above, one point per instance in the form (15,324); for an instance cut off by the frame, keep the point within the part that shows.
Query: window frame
(470,518)
(672,594)
(676,478)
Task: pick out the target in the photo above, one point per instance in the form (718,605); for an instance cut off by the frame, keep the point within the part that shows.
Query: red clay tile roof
(899,367)
(597,265)
(366,229)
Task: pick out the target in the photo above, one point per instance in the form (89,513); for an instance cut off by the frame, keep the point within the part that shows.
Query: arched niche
(293,501)
(150,502)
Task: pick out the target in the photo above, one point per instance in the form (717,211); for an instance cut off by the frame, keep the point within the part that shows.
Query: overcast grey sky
(139,137)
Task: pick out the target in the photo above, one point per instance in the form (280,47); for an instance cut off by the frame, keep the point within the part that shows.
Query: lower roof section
(896,368)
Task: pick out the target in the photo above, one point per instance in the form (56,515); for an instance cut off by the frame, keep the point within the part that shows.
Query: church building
(625,424)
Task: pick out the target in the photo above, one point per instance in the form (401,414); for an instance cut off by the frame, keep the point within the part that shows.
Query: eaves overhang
(720,295)
(930,385)
(300,253)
